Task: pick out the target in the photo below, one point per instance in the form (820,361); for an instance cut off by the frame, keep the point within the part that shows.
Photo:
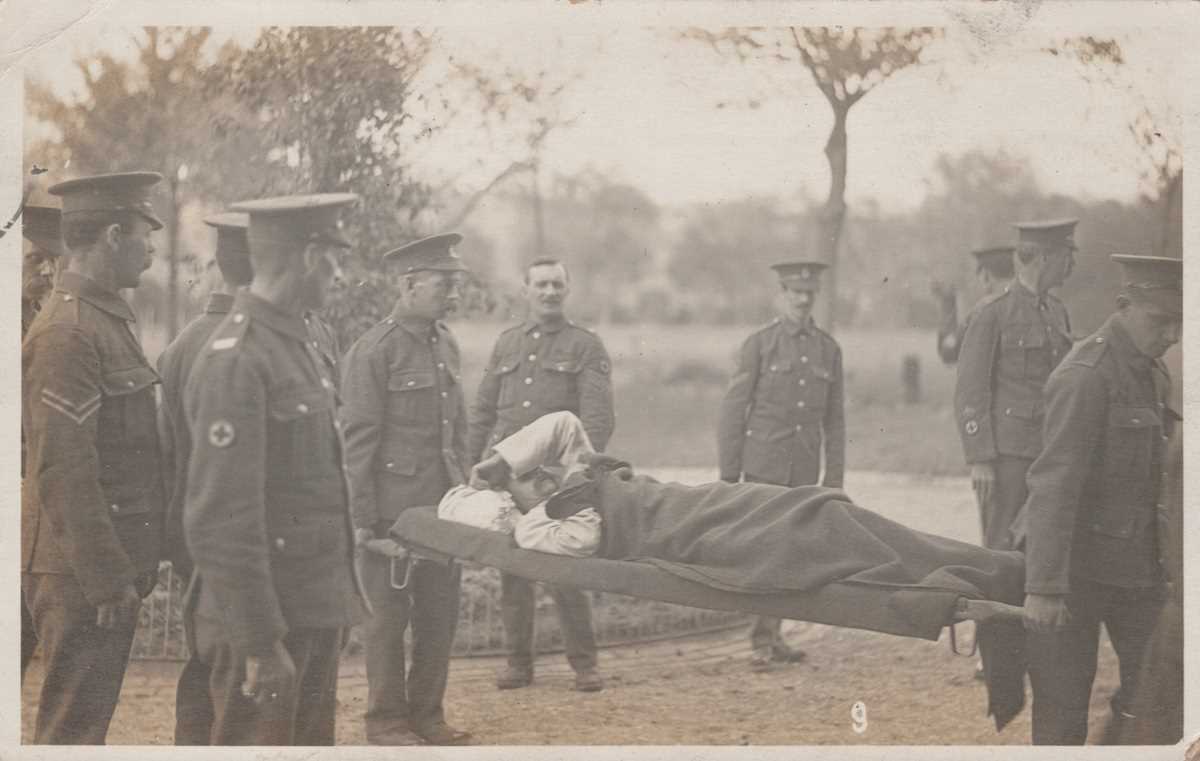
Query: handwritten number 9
(858,715)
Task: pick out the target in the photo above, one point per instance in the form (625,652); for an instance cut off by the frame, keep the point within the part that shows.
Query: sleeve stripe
(79,416)
(49,396)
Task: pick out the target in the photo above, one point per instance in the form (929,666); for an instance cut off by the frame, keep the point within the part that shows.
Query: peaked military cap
(803,274)
(231,227)
(298,220)
(1048,232)
(42,226)
(997,260)
(124,191)
(1154,279)
(433,253)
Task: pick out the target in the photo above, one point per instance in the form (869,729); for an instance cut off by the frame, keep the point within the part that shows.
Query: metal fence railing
(616,619)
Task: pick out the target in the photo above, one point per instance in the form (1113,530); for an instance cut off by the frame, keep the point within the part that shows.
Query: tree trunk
(539,219)
(1172,218)
(833,215)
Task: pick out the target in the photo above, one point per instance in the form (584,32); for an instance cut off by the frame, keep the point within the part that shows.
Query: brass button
(526,404)
(390,465)
(302,407)
(772,368)
(532,357)
(749,432)
(537,334)
(803,382)
(326,383)
(433,339)
(280,543)
(441,365)
(129,383)
(1135,420)
(528,381)
(799,428)
(804,359)
(1008,410)
(444,394)
(239,318)
(800,404)
(67,297)
(115,508)
(411,383)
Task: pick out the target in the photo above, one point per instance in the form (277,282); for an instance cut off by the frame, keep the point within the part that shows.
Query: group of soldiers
(282,464)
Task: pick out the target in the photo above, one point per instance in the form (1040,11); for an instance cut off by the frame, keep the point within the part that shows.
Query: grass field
(668,382)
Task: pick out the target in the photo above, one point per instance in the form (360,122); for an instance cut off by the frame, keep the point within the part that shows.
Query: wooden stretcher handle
(986,610)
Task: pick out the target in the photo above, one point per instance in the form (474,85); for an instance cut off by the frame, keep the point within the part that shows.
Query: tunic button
(749,432)
(528,381)
(239,318)
(803,382)
(526,404)
(800,404)
(444,394)
(390,321)
(1135,420)
(67,298)
(312,344)
(504,369)
(772,368)
(804,359)
(433,339)
(326,383)
(537,335)
(1021,342)
(412,383)
(799,428)
(279,543)
(532,357)
(129,383)
(445,422)
(115,508)
(301,407)
(1008,410)
(390,465)
(1099,339)
(441,365)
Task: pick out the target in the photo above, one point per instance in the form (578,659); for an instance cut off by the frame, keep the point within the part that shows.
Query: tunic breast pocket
(127,417)
(410,396)
(560,383)
(777,378)
(1025,352)
(1129,442)
(303,443)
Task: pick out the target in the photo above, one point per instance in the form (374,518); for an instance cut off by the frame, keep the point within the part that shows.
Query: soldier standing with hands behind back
(405,447)
(785,401)
(91,507)
(545,364)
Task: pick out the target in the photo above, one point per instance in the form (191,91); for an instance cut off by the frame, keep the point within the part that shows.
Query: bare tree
(845,63)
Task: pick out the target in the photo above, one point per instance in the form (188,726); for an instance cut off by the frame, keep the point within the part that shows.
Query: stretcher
(892,609)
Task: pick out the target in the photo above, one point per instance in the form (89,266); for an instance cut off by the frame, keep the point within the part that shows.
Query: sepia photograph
(598,374)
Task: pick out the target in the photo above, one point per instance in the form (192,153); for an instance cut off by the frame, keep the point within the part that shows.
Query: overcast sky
(646,112)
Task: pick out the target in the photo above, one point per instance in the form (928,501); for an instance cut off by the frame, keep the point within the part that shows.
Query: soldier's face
(532,488)
(545,291)
(797,301)
(132,249)
(1058,267)
(322,271)
(38,275)
(434,294)
(1153,330)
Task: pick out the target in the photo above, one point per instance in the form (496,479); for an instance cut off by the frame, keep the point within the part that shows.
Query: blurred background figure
(994,271)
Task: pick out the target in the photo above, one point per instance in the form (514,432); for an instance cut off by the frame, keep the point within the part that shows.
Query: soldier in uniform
(193,707)
(266,516)
(994,270)
(785,401)
(91,507)
(42,227)
(405,447)
(1095,497)
(1013,341)
(545,364)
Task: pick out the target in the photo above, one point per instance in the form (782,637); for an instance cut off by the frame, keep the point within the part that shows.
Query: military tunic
(1011,345)
(536,369)
(406,446)
(92,503)
(785,400)
(267,522)
(1090,523)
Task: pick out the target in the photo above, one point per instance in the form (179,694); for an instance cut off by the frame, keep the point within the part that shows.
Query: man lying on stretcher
(546,486)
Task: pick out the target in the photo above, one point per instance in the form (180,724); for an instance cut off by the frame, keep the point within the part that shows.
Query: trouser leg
(193,706)
(301,715)
(575,615)
(28,636)
(1008,497)
(765,632)
(383,637)
(435,588)
(516,611)
(1130,617)
(85,664)
(1062,667)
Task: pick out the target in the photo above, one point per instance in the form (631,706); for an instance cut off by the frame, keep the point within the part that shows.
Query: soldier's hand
(362,536)
(983,481)
(112,613)
(1046,613)
(270,676)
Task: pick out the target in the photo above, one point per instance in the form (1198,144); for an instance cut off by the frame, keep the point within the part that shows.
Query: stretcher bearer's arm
(595,395)
(483,414)
(834,426)
(577,536)
(225,522)
(364,389)
(974,387)
(1076,414)
(557,438)
(63,385)
(731,425)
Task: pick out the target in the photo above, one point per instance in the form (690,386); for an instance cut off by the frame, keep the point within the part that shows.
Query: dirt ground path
(698,690)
